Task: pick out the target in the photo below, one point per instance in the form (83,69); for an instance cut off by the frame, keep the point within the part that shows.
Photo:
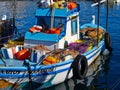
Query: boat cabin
(59,27)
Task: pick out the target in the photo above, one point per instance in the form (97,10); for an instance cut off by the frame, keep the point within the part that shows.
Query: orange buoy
(71,5)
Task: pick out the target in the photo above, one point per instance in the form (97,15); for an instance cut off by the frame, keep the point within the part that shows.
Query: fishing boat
(6,29)
(55,49)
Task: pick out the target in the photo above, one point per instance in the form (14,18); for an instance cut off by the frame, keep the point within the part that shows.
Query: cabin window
(46,21)
(58,22)
(74,26)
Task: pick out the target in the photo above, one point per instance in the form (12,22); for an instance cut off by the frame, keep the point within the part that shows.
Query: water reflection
(96,77)
(24,13)
(111,3)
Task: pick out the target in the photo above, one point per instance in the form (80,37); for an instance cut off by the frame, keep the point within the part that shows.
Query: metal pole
(13,14)
(107,17)
(98,21)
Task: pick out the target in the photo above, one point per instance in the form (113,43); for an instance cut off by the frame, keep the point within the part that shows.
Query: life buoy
(80,67)
(108,41)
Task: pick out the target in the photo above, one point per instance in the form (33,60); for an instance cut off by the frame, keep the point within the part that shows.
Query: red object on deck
(54,31)
(22,54)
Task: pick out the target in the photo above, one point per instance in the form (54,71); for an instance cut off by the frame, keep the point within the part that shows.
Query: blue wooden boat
(57,48)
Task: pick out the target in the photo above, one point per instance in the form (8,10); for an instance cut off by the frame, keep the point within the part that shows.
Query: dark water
(104,73)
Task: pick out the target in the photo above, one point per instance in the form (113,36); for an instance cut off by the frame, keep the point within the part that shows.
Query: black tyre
(80,67)
(108,41)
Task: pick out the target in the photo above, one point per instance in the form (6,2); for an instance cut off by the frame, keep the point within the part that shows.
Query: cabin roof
(48,12)
(41,37)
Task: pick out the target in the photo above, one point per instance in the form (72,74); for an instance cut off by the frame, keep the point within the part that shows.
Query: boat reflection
(95,77)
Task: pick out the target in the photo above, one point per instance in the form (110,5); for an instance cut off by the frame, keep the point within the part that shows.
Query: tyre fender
(80,67)
(107,39)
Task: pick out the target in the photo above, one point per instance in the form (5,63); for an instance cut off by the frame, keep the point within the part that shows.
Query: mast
(13,14)
(52,15)
(98,23)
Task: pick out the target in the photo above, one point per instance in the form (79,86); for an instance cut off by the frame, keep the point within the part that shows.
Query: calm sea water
(104,73)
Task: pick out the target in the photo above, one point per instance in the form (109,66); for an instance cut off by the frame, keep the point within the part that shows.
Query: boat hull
(49,74)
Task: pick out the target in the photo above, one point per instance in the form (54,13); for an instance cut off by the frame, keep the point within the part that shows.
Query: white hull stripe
(101,44)
(94,53)
(34,74)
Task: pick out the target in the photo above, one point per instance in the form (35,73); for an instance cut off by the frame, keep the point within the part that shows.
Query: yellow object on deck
(11,42)
(89,48)
(58,4)
(79,41)
(50,60)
